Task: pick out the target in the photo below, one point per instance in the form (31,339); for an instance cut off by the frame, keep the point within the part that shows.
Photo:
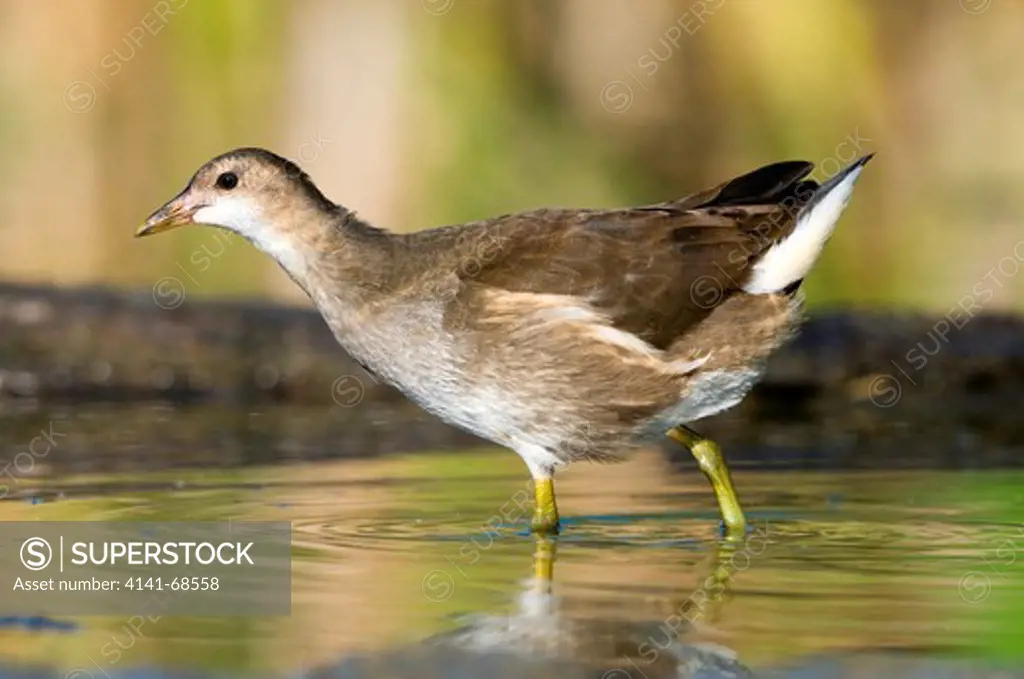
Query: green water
(391,551)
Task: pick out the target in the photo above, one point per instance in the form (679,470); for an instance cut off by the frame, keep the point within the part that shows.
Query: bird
(561,334)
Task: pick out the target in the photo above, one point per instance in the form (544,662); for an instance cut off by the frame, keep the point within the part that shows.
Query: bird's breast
(409,348)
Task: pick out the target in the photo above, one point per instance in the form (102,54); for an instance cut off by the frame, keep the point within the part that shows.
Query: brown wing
(653,271)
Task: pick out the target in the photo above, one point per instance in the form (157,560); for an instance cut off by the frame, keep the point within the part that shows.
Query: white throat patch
(232,212)
(246,219)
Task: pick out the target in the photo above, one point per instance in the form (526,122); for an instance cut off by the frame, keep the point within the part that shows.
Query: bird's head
(249,191)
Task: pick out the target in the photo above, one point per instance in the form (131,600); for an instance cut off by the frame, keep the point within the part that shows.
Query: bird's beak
(177,212)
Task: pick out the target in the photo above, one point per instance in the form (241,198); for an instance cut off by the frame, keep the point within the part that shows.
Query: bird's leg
(545,513)
(709,457)
(702,608)
(706,601)
(543,563)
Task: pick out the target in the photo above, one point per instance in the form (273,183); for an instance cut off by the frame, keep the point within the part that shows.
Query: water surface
(420,564)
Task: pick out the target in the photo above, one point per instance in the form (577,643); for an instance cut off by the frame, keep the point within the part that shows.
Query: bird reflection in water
(540,628)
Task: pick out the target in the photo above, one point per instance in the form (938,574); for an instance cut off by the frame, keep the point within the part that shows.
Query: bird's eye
(227,181)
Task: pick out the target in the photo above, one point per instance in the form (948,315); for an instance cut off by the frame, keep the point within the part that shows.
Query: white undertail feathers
(791,259)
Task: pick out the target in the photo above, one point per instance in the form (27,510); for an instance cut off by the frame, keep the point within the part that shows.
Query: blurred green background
(422,112)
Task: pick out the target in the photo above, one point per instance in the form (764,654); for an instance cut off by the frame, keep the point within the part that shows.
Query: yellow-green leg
(544,562)
(709,457)
(545,513)
(705,603)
